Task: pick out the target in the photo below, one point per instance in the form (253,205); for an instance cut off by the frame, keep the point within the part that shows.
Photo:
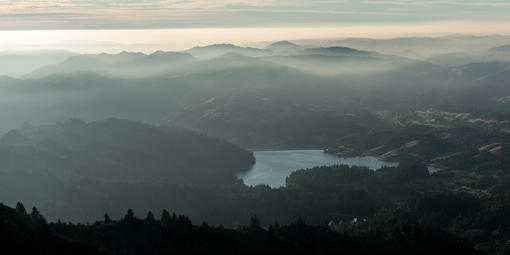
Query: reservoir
(272,167)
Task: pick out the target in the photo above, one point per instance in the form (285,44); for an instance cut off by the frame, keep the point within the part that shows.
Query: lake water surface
(272,167)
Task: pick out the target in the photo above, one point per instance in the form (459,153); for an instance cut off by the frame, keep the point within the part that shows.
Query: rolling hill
(209,51)
(124,64)
(57,167)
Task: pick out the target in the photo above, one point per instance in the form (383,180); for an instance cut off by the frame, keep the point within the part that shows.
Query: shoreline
(285,149)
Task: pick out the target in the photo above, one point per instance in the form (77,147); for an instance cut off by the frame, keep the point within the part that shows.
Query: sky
(150,14)
(55,23)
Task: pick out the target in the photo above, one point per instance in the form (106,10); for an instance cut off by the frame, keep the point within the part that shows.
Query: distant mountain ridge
(505,48)
(221,49)
(124,64)
(284,47)
(18,63)
(324,60)
(339,51)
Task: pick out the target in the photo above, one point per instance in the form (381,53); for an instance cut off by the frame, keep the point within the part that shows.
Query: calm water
(272,167)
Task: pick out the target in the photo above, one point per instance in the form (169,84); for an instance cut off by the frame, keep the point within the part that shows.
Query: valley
(221,133)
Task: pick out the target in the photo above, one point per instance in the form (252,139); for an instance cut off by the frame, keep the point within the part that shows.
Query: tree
(274,227)
(107,218)
(254,223)
(130,215)
(300,221)
(39,220)
(183,221)
(166,218)
(35,214)
(150,217)
(20,208)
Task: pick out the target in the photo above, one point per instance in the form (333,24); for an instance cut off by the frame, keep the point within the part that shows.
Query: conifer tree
(166,218)
(107,218)
(150,217)
(130,215)
(20,208)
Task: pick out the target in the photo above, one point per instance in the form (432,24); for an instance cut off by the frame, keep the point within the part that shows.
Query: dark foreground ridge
(23,233)
(172,234)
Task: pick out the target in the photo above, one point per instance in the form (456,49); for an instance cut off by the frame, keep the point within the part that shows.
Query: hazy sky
(130,14)
(177,24)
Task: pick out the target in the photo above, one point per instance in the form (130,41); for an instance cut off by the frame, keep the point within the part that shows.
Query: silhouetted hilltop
(339,51)
(175,234)
(19,63)
(23,233)
(221,49)
(124,64)
(283,47)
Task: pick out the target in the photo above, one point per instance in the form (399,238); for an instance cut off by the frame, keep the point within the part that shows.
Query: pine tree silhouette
(107,218)
(20,208)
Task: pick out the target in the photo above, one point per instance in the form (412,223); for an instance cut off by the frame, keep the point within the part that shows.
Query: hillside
(30,234)
(306,119)
(92,96)
(19,63)
(121,150)
(52,166)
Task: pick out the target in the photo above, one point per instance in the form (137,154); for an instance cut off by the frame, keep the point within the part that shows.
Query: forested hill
(118,149)
(77,170)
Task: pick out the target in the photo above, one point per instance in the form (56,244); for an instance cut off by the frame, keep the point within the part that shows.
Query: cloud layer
(98,14)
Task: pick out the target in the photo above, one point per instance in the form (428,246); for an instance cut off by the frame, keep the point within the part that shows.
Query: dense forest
(109,164)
